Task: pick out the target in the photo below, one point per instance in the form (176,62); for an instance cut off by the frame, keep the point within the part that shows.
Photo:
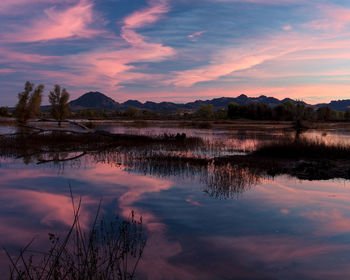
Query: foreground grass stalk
(107,251)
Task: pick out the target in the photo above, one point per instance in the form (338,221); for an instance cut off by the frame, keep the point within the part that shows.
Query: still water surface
(271,228)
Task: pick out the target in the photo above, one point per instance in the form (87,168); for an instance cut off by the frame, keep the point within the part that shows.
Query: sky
(177,50)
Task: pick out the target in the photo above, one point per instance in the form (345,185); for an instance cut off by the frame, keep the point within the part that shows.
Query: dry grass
(7,121)
(303,148)
(197,124)
(28,144)
(107,251)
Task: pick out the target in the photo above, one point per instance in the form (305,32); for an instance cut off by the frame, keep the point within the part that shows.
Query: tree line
(287,111)
(29,102)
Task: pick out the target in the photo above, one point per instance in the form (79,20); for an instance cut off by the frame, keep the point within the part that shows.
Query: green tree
(347,115)
(324,113)
(88,113)
(29,102)
(59,104)
(205,112)
(4,111)
(220,114)
(263,111)
(132,112)
(309,113)
(285,111)
(234,110)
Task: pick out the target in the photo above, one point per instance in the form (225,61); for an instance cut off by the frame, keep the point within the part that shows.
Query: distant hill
(93,100)
(99,101)
(340,105)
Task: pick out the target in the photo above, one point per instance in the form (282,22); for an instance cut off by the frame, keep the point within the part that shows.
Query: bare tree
(29,102)
(59,103)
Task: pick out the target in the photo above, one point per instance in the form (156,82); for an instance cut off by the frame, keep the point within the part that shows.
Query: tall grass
(303,148)
(196,124)
(31,146)
(109,250)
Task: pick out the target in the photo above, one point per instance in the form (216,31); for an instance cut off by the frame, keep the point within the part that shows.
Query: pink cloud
(141,18)
(49,207)
(329,215)
(194,35)
(226,61)
(114,65)
(73,21)
(7,71)
(332,18)
(331,221)
(310,93)
(277,250)
(159,249)
(212,72)
(287,27)
(7,6)
(193,202)
(270,58)
(146,16)
(268,2)
(10,56)
(108,67)
(104,68)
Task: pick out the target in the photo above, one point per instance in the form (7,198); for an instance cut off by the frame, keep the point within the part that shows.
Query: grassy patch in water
(303,148)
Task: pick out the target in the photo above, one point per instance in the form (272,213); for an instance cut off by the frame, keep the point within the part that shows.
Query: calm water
(199,226)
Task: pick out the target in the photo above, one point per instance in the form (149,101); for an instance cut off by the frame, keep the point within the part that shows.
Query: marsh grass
(196,124)
(303,148)
(229,181)
(137,124)
(7,121)
(31,146)
(109,250)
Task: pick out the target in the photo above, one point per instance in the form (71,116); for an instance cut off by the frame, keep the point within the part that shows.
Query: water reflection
(163,157)
(280,229)
(227,181)
(274,228)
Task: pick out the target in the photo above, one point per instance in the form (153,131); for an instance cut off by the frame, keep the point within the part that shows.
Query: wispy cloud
(194,35)
(331,18)
(73,21)
(116,64)
(103,68)
(16,6)
(137,50)
(226,61)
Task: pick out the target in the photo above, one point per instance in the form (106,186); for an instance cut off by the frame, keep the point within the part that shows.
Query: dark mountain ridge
(339,105)
(93,100)
(99,101)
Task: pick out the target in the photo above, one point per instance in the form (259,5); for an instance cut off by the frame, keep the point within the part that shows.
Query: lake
(200,223)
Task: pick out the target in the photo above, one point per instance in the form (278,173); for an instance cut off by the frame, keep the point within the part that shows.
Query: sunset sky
(177,50)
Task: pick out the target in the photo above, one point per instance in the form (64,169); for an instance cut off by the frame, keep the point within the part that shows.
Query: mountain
(93,100)
(99,101)
(339,105)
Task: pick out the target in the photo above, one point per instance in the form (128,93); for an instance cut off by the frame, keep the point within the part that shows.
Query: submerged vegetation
(107,251)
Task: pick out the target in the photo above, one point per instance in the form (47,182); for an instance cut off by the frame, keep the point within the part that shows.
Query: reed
(108,250)
(303,148)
